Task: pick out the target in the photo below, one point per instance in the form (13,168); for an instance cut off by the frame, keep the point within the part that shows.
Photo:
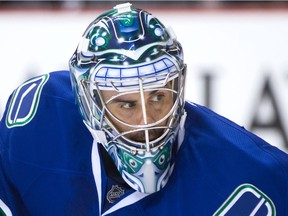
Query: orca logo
(247,200)
(24,102)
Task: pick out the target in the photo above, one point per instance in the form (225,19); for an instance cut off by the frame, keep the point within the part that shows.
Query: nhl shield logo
(247,200)
(114,193)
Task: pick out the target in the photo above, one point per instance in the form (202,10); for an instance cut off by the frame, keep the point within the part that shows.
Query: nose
(147,117)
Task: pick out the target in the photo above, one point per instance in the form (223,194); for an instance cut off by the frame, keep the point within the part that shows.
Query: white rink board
(237,50)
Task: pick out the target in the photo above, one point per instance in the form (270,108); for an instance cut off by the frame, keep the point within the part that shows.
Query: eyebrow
(120,100)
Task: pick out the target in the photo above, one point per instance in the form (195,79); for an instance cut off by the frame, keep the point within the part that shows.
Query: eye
(128,105)
(100,41)
(158,32)
(132,163)
(158,97)
(161,159)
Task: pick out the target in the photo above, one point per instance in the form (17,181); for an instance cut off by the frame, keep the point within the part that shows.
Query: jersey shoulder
(229,158)
(217,131)
(26,99)
(42,120)
(201,118)
(45,148)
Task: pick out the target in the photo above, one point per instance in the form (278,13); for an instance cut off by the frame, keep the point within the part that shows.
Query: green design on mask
(132,163)
(162,159)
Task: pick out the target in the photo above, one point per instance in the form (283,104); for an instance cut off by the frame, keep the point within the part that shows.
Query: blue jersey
(50,165)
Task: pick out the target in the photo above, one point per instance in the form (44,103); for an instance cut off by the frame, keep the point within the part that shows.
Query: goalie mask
(128,75)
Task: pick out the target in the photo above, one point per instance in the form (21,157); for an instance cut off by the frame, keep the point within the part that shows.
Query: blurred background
(236,51)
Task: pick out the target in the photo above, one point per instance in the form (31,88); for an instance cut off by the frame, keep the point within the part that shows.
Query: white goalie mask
(128,75)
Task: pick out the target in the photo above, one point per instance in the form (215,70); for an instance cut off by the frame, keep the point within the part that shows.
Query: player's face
(129,108)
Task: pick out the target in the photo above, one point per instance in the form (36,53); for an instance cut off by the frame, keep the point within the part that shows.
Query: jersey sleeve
(4,199)
(9,200)
(20,110)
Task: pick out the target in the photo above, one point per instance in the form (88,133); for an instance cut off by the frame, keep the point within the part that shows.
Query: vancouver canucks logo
(114,193)
(247,200)
(24,102)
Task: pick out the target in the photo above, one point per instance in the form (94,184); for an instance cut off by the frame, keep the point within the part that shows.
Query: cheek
(161,109)
(122,113)
(121,127)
